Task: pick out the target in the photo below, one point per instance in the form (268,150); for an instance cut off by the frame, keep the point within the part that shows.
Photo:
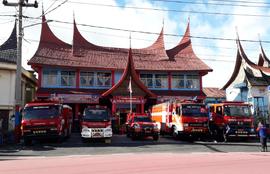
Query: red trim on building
(113,78)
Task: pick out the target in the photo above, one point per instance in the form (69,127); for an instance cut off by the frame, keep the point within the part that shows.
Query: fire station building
(83,73)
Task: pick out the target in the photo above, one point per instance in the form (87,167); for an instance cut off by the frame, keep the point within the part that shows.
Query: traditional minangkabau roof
(8,50)
(263,58)
(240,58)
(237,66)
(84,54)
(255,81)
(51,50)
(121,88)
(184,52)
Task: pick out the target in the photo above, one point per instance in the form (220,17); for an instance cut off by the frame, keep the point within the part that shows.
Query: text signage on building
(78,98)
(124,100)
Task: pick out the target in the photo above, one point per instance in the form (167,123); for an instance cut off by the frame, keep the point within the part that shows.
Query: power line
(211,3)
(172,10)
(59,5)
(147,32)
(148,40)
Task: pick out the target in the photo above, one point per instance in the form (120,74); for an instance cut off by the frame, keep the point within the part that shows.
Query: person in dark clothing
(263,136)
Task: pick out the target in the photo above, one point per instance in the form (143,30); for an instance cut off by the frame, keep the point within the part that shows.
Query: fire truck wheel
(128,134)
(27,141)
(156,137)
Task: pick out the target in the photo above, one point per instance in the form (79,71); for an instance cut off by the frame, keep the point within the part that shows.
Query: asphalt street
(122,144)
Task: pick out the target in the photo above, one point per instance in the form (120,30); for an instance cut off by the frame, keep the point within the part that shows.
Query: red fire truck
(181,118)
(45,119)
(140,125)
(231,119)
(96,123)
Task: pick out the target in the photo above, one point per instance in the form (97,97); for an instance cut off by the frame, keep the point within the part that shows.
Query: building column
(170,80)
(77,78)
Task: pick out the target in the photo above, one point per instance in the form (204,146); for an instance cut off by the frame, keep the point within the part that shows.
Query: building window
(185,81)
(104,79)
(87,79)
(50,78)
(68,78)
(192,82)
(178,81)
(161,81)
(147,80)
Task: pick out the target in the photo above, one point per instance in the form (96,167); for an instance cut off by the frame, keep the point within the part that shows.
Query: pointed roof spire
(237,66)
(130,40)
(47,37)
(129,73)
(184,46)
(262,57)
(79,43)
(242,52)
(8,50)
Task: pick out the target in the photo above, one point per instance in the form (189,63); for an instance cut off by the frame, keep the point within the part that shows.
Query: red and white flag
(129,86)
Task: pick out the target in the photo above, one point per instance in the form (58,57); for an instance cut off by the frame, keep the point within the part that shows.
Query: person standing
(263,136)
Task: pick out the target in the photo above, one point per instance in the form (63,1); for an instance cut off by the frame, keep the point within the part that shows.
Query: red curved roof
(51,49)
(185,53)
(129,72)
(83,54)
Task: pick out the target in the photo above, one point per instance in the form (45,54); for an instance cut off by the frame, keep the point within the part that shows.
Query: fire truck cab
(140,125)
(182,118)
(96,123)
(231,119)
(45,119)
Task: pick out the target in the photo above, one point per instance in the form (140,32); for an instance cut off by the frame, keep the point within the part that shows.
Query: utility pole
(18,88)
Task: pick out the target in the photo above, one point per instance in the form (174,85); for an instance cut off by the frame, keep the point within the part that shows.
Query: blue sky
(218,54)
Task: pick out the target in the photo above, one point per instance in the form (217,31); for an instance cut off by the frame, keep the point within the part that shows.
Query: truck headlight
(136,126)
(53,128)
(185,124)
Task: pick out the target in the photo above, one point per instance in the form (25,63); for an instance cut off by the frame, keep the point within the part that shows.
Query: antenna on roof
(260,41)
(130,40)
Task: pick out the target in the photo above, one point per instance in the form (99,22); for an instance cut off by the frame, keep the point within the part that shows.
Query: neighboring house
(214,95)
(84,74)
(249,82)
(8,58)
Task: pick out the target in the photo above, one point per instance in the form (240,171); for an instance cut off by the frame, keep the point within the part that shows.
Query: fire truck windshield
(194,111)
(142,119)
(96,115)
(41,112)
(231,110)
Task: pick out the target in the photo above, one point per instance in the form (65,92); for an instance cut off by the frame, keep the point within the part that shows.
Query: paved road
(121,144)
(157,163)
